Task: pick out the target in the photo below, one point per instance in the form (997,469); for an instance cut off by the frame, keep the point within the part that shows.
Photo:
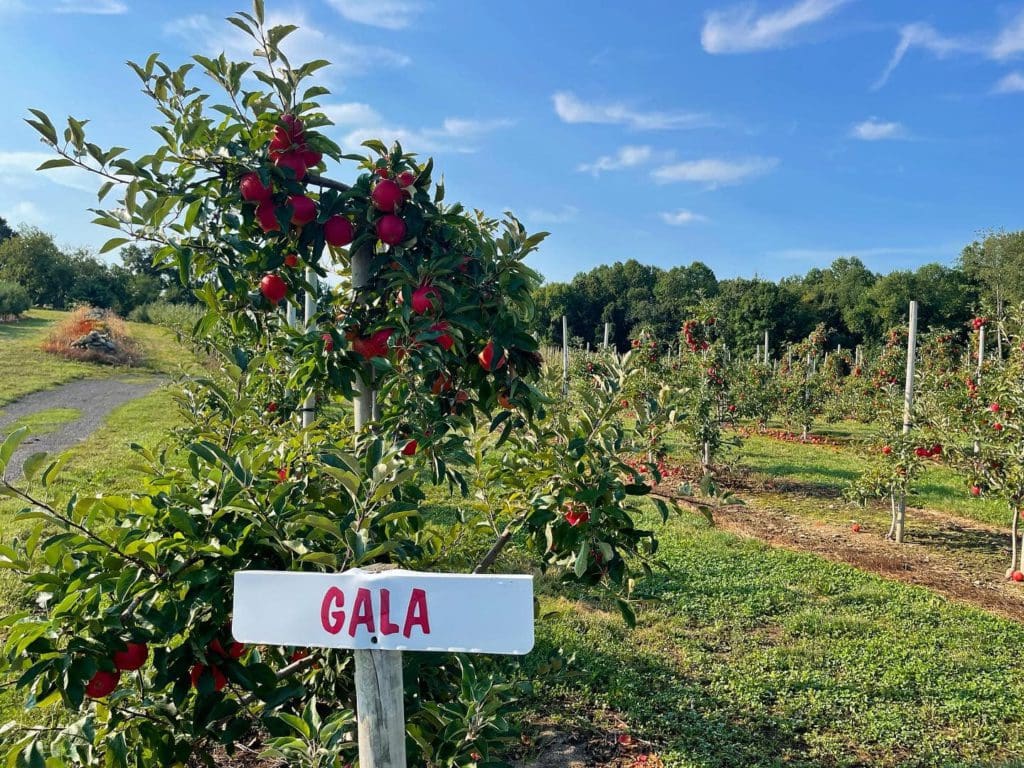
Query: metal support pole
(565,355)
(309,310)
(908,412)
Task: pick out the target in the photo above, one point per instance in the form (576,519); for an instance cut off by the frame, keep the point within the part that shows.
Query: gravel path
(95,398)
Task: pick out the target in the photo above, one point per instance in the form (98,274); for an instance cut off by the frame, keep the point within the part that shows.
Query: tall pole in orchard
(565,355)
(981,350)
(309,311)
(607,331)
(380,706)
(766,358)
(908,414)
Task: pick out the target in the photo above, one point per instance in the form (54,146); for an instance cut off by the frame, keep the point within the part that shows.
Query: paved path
(94,398)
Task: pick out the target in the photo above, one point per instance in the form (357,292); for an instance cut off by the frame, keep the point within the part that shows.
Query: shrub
(108,327)
(178,317)
(13,300)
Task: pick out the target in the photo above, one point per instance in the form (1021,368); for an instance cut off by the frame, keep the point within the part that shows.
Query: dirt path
(958,558)
(94,398)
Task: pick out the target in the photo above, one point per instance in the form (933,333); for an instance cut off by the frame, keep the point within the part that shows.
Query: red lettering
(386,627)
(331,615)
(417,613)
(362,612)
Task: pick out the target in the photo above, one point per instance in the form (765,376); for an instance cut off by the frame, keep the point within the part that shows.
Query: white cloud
(626,157)
(25,212)
(18,167)
(924,36)
(874,129)
(1010,40)
(98,7)
(360,122)
(714,171)
(570,109)
(740,29)
(1007,43)
(682,217)
(1010,83)
(562,215)
(308,42)
(92,7)
(389,14)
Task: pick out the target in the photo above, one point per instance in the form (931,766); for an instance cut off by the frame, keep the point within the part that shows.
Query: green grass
(763,657)
(37,370)
(44,422)
(831,469)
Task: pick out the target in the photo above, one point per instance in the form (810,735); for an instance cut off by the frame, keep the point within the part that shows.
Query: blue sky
(761,138)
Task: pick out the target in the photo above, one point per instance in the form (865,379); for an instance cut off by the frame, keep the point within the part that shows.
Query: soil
(955,557)
(95,398)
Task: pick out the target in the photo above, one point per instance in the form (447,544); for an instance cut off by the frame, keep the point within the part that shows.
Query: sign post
(380,614)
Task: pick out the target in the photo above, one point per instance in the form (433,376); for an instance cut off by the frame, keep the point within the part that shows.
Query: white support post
(380,703)
(981,351)
(309,310)
(908,413)
(565,355)
(290,317)
(766,358)
(607,333)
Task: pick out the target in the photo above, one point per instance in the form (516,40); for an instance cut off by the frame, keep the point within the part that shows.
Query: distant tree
(147,275)
(33,261)
(996,264)
(95,283)
(13,300)
(6,233)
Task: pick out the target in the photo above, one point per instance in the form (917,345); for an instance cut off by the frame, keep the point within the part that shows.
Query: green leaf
(9,445)
(113,243)
(627,612)
(33,463)
(581,559)
(57,162)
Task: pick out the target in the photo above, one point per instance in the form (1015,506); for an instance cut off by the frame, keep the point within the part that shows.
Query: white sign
(391,610)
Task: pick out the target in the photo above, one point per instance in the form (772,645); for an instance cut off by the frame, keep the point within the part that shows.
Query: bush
(178,317)
(108,327)
(13,300)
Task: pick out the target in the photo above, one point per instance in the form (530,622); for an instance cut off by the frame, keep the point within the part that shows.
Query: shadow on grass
(19,329)
(955,538)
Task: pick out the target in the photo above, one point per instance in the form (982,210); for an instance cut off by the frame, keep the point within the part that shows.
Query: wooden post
(908,414)
(981,351)
(565,355)
(607,332)
(309,310)
(380,703)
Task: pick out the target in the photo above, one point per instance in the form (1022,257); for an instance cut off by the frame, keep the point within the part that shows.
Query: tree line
(856,305)
(60,278)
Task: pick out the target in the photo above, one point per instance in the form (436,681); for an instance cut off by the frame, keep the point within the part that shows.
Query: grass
(37,370)
(44,422)
(762,657)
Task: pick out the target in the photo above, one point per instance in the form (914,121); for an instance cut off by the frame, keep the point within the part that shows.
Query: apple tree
(306,445)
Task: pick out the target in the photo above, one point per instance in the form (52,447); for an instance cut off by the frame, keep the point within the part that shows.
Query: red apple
(406,178)
(280,142)
(328,342)
(282,475)
(293,161)
(219,681)
(855,527)
(271,407)
(386,195)
(410,448)
(975,490)
(291,260)
(338,231)
(273,288)
(103,683)
(426,298)
(504,402)
(293,125)
(391,229)
(445,340)
(1017,576)
(266,215)
(887,449)
(997,427)
(303,210)
(253,189)
(132,657)
(486,357)
(994,408)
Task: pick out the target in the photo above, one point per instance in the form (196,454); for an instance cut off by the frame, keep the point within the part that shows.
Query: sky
(761,138)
